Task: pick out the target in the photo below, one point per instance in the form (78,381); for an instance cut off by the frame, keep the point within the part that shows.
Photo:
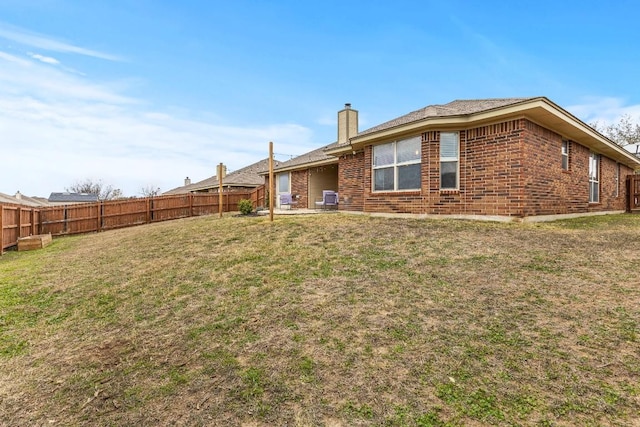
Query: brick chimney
(347,124)
(187,181)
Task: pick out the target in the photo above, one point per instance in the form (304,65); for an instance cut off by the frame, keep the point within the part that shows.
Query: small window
(283,183)
(397,165)
(449,160)
(565,155)
(617,179)
(594,178)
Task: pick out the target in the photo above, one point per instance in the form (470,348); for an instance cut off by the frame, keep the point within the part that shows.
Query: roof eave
(541,110)
(302,166)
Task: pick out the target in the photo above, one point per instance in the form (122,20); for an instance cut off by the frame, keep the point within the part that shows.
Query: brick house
(306,176)
(516,157)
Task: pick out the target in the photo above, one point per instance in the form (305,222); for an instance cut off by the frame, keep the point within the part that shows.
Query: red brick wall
(299,185)
(491,168)
(351,181)
(511,168)
(552,190)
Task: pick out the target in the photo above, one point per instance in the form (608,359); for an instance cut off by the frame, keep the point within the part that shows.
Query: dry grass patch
(325,320)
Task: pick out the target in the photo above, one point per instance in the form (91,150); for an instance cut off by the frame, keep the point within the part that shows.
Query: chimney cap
(347,106)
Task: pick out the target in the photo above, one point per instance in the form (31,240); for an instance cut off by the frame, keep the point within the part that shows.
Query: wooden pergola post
(271,182)
(220,166)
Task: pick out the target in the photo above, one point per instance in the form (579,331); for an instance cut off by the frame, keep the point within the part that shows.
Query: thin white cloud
(604,110)
(40,41)
(45,59)
(68,128)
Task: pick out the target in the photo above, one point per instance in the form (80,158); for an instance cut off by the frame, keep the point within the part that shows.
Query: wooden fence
(21,221)
(633,193)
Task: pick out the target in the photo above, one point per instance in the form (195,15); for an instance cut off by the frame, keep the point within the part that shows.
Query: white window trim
(395,166)
(617,179)
(594,175)
(451,159)
(565,154)
(281,190)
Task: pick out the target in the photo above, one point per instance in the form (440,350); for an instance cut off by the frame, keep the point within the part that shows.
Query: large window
(396,166)
(565,155)
(449,160)
(594,178)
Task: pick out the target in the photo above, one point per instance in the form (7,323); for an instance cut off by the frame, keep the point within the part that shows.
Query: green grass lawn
(333,320)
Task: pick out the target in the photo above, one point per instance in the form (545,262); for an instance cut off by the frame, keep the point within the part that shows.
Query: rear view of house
(516,157)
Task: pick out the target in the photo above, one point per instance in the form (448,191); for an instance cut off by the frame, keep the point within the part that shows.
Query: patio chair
(329,200)
(288,201)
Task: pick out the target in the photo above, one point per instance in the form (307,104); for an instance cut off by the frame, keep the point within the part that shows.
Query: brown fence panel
(20,221)
(258,197)
(17,221)
(123,213)
(26,221)
(231,200)
(52,220)
(633,193)
(165,208)
(205,204)
(81,218)
(10,230)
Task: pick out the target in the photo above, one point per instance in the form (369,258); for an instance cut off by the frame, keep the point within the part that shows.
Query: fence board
(21,221)
(633,193)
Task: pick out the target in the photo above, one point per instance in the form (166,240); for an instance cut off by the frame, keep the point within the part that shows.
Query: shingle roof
(454,108)
(72,197)
(23,200)
(245,177)
(317,155)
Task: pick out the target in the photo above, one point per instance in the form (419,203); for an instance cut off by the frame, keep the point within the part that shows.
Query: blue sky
(143,93)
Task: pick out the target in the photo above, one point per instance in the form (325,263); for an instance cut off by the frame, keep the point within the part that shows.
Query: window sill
(396,192)
(449,191)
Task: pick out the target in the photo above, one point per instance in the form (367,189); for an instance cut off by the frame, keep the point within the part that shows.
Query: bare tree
(88,186)
(150,191)
(624,132)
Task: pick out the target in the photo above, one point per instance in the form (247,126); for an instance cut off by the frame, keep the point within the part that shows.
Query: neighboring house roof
(72,198)
(249,176)
(316,157)
(21,199)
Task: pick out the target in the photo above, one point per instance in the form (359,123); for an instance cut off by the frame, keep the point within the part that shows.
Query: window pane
(593,166)
(283,183)
(594,192)
(408,150)
(409,177)
(383,179)
(448,145)
(383,155)
(565,162)
(448,172)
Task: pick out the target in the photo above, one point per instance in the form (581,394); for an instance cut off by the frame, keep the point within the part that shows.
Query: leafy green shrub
(245,206)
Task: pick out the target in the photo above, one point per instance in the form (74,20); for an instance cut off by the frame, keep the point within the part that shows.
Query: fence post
(39,222)
(19,210)
(33,223)
(190,204)
(148,210)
